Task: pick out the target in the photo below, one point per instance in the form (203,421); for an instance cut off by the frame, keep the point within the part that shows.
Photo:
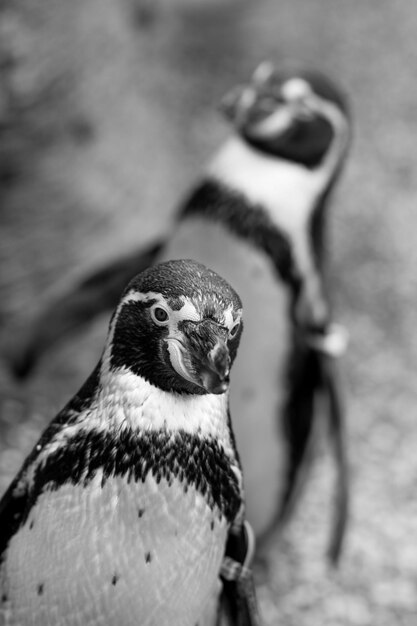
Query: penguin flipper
(337,428)
(314,373)
(298,423)
(238,605)
(13,507)
(19,499)
(76,306)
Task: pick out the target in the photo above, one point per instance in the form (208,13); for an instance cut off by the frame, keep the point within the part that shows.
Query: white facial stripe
(229,320)
(275,124)
(296,89)
(296,92)
(246,102)
(135,296)
(176,356)
(187,312)
(263,73)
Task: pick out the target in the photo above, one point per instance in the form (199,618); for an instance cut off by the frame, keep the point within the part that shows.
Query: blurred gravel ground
(182,60)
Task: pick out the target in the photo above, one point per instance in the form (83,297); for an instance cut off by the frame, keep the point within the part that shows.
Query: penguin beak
(239,104)
(244,107)
(215,368)
(200,355)
(236,102)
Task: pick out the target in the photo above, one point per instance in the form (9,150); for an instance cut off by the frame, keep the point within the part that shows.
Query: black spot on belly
(114,579)
(141,512)
(40,589)
(31,525)
(4,598)
(148,557)
(212,524)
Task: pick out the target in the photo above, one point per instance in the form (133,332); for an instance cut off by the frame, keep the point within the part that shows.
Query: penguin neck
(287,191)
(128,401)
(272,181)
(126,408)
(129,429)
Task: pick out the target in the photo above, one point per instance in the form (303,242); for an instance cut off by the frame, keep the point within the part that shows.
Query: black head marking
(307,138)
(184,278)
(322,85)
(142,345)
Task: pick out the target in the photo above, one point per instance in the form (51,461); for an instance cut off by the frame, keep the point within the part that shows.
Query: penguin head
(178,326)
(289,114)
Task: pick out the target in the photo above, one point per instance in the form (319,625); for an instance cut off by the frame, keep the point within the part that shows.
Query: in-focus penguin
(257,218)
(121,513)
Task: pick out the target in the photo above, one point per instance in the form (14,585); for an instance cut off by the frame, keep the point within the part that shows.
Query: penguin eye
(159,315)
(233,330)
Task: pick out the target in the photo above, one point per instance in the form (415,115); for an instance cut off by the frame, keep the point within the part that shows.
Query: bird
(258,217)
(122,511)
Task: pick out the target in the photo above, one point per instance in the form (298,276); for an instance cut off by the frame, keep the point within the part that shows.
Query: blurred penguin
(258,218)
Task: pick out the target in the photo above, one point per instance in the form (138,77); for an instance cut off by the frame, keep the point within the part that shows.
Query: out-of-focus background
(107,115)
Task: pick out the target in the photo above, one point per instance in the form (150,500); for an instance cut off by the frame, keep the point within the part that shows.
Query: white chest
(125,553)
(286,191)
